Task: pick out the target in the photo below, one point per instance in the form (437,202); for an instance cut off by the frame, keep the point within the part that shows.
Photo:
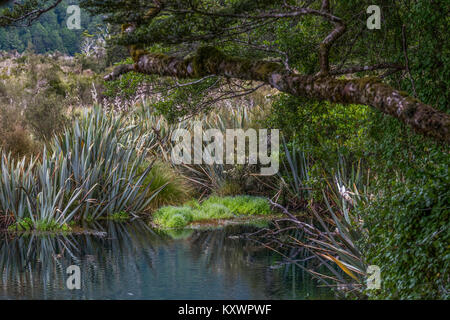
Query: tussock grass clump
(212,208)
(171,187)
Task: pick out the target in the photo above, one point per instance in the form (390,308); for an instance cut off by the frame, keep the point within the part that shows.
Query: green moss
(266,68)
(206,60)
(363,82)
(136,52)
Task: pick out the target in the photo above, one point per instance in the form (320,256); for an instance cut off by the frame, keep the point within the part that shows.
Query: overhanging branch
(366,91)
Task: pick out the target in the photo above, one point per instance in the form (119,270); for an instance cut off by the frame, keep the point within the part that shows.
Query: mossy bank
(211,211)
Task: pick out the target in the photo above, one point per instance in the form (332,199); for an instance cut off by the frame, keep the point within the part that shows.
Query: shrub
(15,137)
(409,238)
(46,115)
(119,216)
(229,188)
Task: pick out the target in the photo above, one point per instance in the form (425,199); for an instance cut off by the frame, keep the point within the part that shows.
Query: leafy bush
(322,130)
(409,237)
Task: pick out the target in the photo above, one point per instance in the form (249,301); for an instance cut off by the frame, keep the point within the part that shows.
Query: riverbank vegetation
(212,208)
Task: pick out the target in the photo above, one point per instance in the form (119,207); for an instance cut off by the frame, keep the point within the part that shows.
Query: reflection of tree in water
(32,260)
(33,266)
(230,252)
(134,261)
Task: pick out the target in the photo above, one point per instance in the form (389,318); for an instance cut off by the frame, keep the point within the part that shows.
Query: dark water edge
(135,261)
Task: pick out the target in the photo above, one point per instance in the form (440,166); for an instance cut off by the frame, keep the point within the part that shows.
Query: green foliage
(23,225)
(26,225)
(242,205)
(409,238)
(189,98)
(36,94)
(212,208)
(118,216)
(48,33)
(406,214)
(179,234)
(46,116)
(321,129)
(127,85)
(409,217)
(173,217)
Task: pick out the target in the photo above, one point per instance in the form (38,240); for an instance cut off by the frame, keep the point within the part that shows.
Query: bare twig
(405,52)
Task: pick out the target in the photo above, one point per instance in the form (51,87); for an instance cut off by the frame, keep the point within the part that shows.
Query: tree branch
(366,91)
(29,17)
(405,52)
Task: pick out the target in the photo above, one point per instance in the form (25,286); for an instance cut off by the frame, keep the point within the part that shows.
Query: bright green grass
(242,205)
(212,208)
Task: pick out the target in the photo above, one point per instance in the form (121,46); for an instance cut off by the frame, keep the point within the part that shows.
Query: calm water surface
(136,262)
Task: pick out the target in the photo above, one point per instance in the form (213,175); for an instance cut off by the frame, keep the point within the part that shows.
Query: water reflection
(136,262)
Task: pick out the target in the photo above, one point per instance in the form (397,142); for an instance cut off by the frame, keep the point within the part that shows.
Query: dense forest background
(50,33)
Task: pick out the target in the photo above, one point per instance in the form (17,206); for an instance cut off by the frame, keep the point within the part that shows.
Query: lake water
(136,262)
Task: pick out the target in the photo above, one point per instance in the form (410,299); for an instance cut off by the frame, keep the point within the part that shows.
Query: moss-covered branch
(366,91)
